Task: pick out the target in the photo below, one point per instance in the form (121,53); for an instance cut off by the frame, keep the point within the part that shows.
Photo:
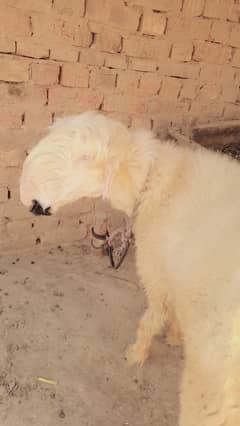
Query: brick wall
(142,61)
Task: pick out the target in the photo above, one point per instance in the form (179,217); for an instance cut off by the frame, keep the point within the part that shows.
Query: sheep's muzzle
(38,210)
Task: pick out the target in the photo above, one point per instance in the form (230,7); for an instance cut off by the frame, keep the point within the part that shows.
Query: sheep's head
(76,159)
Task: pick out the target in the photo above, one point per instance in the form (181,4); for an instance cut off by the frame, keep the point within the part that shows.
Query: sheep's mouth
(38,210)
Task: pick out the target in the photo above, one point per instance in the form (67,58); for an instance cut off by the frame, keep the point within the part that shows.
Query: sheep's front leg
(150,325)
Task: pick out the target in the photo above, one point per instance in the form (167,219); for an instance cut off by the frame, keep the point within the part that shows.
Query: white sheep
(186,206)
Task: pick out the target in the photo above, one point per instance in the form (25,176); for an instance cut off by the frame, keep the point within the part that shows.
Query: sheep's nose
(38,210)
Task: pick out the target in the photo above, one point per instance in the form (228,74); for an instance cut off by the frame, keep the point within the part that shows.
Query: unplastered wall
(148,62)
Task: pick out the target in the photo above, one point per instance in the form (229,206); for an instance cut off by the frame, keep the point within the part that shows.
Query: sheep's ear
(111,170)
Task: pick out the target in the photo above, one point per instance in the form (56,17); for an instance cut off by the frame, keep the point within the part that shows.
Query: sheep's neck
(127,184)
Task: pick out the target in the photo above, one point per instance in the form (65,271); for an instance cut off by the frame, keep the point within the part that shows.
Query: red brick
(125,103)
(128,80)
(30,5)
(123,17)
(3,189)
(170,88)
(228,74)
(167,110)
(74,75)
(236,58)
(10,118)
(159,5)
(64,52)
(150,85)
(9,175)
(98,11)
(69,99)
(181,70)
(14,22)
(7,45)
(154,23)
(82,35)
(70,8)
(184,28)
(193,7)
(224,76)
(92,57)
(10,157)
(13,69)
(229,91)
(220,32)
(210,72)
(189,89)
(229,83)
(32,48)
(37,118)
(114,14)
(232,112)
(212,53)
(217,8)
(103,78)
(209,91)
(116,61)
(96,27)
(22,95)
(235,36)
(206,111)
(140,64)
(182,52)
(45,73)
(108,41)
(147,48)
(234,13)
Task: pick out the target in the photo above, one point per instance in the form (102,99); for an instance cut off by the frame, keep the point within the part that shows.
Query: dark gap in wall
(93,41)
(101,105)
(9,194)
(38,241)
(47,95)
(85,7)
(140,22)
(30,26)
(121,45)
(60,75)
(158,11)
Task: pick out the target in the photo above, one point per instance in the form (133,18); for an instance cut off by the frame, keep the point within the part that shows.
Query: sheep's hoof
(134,355)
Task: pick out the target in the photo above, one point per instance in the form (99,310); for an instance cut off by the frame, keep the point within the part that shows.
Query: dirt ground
(67,317)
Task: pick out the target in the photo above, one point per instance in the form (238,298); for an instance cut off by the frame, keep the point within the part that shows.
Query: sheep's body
(188,250)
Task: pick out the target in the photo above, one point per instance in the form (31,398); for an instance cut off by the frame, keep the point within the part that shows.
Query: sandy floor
(68,317)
